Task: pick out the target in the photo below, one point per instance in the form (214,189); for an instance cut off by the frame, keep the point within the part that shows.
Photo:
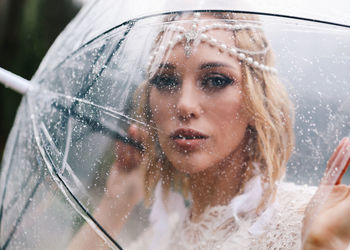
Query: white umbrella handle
(14,81)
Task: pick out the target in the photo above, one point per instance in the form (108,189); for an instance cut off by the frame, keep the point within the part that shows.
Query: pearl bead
(178,38)
(241,56)
(249,60)
(223,47)
(255,64)
(171,44)
(206,28)
(233,51)
(213,41)
(204,37)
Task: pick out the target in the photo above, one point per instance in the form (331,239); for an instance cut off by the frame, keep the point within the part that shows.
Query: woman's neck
(218,185)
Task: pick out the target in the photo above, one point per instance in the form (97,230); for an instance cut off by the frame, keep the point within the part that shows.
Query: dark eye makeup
(216,81)
(165,81)
(210,81)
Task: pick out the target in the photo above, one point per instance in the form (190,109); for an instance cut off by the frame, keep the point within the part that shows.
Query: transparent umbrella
(167,125)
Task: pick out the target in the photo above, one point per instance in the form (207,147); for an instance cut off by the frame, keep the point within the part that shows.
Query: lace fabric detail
(209,232)
(218,230)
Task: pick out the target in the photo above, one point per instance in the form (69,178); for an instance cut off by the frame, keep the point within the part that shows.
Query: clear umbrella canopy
(145,132)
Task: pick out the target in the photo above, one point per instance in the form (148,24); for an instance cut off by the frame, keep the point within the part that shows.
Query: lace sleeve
(287,223)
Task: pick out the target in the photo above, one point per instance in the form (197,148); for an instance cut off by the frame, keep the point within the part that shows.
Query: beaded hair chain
(198,34)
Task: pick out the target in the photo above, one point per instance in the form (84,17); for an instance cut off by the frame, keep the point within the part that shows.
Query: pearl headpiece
(198,34)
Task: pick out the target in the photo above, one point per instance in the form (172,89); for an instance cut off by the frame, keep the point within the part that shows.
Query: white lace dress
(279,227)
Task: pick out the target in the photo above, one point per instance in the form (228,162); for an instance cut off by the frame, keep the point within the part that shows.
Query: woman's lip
(188,139)
(187,134)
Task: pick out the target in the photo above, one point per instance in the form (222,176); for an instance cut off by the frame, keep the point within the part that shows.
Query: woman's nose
(188,104)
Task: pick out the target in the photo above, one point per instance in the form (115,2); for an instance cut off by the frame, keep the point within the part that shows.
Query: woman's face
(197,106)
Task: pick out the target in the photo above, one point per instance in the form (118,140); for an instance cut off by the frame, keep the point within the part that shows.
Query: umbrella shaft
(14,81)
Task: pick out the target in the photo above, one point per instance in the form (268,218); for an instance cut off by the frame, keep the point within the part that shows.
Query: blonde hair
(271,137)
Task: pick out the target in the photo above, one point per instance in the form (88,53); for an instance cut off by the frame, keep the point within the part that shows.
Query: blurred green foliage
(27,29)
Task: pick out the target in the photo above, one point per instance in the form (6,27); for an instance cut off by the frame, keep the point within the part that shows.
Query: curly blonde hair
(271,138)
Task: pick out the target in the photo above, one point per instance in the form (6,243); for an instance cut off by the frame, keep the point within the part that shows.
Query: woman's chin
(191,162)
(190,166)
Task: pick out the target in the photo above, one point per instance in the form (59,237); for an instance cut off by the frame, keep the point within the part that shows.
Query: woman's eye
(165,82)
(216,81)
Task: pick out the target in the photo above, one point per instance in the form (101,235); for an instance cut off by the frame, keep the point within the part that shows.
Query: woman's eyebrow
(166,66)
(215,65)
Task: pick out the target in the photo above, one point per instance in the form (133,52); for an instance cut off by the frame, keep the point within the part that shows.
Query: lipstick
(188,139)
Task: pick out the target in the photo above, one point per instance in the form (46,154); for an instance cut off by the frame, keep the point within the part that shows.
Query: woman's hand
(327,217)
(125,176)
(124,186)
(124,189)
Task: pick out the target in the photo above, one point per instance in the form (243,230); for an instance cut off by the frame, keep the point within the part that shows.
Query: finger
(335,170)
(122,152)
(336,152)
(114,171)
(343,171)
(337,164)
(136,133)
(119,148)
(341,163)
(128,156)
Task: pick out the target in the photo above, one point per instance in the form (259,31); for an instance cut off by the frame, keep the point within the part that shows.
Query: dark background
(27,30)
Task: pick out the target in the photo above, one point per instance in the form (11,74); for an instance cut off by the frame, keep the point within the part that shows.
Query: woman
(219,133)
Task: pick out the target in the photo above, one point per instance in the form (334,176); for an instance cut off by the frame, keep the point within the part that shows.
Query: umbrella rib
(66,166)
(20,217)
(5,185)
(76,204)
(85,91)
(18,193)
(98,127)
